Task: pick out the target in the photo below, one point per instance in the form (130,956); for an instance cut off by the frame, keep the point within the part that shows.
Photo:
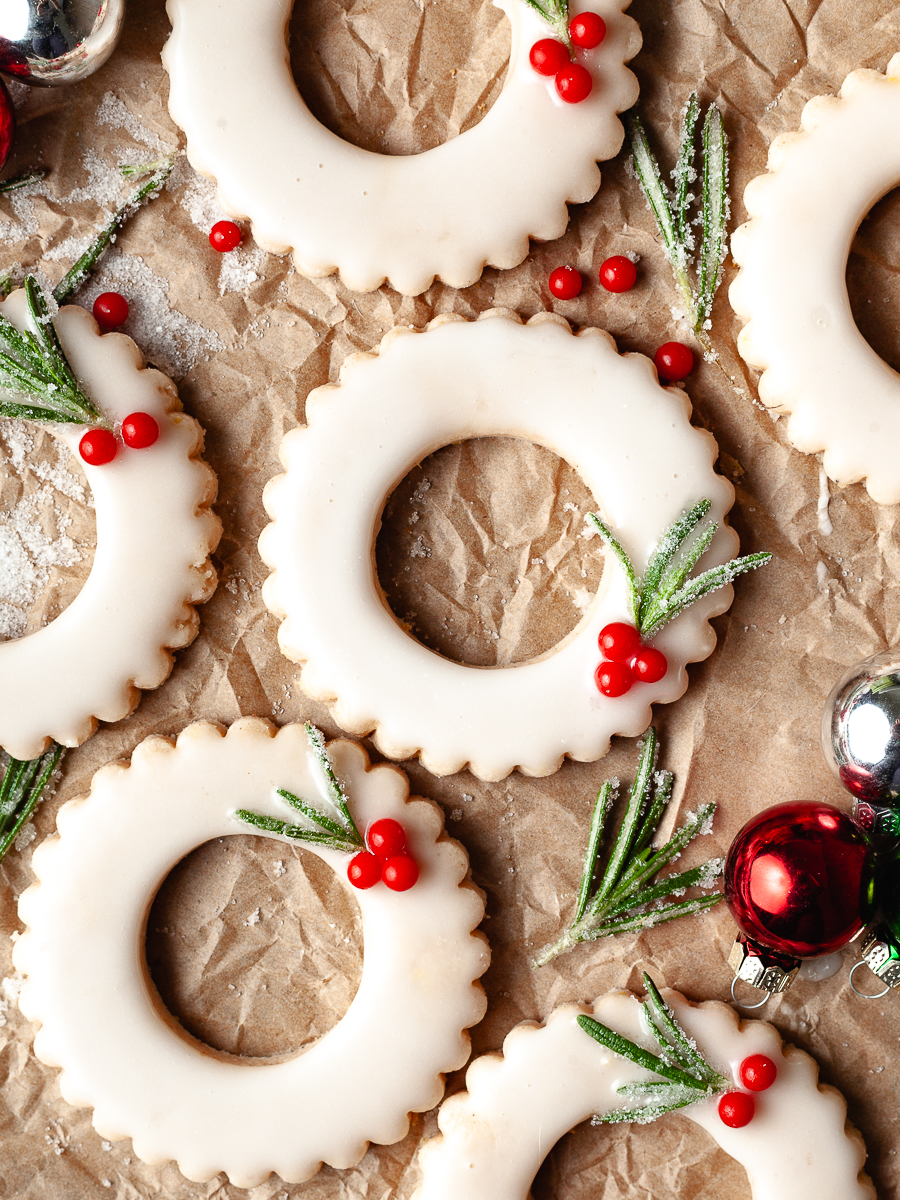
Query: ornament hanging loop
(862,995)
(749,1007)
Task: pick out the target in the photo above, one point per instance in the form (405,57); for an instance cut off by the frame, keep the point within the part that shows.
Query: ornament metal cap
(881,955)
(762,968)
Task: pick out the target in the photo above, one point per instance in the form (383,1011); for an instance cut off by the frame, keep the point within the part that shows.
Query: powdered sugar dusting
(114,113)
(170,340)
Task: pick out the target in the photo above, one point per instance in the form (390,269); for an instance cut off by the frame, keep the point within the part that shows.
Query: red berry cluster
(629,661)
(99,446)
(386,859)
(757,1073)
(550,57)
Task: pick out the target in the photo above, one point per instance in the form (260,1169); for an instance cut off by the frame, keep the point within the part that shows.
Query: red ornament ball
(587,30)
(649,665)
(7,123)
(400,872)
(565,283)
(97,447)
(758,1072)
(574,83)
(139,430)
(799,879)
(618,274)
(386,838)
(736,1109)
(364,870)
(110,311)
(619,641)
(613,678)
(225,236)
(548,56)
(674,361)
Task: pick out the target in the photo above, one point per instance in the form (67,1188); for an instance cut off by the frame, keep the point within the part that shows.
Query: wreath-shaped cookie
(605,414)
(791,290)
(448,212)
(155,532)
(551,1077)
(120,1051)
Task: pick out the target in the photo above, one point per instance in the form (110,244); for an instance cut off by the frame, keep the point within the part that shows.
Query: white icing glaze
(119,1050)
(605,414)
(155,532)
(449,211)
(552,1077)
(843,399)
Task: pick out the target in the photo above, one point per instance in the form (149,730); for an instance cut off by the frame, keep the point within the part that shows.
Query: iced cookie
(791,290)
(448,212)
(155,532)
(795,1145)
(632,443)
(123,1055)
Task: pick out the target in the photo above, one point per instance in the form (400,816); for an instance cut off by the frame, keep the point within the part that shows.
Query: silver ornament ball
(55,42)
(861,730)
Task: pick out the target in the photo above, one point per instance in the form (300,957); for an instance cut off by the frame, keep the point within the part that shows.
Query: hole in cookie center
(672,1158)
(254,946)
(873,279)
(482,553)
(48,532)
(398,79)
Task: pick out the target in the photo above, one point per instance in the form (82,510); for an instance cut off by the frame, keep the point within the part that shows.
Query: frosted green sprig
(618,899)
(686,1075)
(35,372)
(159,173)
(23,787)
(666,588)
(556,14)
(674,211)
(337,832)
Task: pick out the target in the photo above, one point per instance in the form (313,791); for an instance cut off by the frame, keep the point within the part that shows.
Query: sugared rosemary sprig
(556,14)
(674,211)
(21,791)
(686,1075)
(160,171)
(618,899)
(335,833)
(34,367)
(665,590)
(20,181)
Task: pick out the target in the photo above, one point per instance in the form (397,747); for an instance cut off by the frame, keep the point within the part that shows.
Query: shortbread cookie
(550,1078)
(448,212)
(123,1055)
(605,414)
(155,532)
(843,399)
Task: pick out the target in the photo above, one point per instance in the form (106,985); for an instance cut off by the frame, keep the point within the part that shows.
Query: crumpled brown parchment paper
(254,949)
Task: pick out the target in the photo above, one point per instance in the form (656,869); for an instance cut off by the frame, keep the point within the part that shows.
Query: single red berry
(613,678)
(587,30)
(110,311)
(736,1109)
(364,870)
(574,83)
(548,56)
(758,1072)
(649,665)
(400,872)
(225,236)
(674,361)
(98,446)
(565,283)
(619,641)
(618,274)
(139,431)
(386,838)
